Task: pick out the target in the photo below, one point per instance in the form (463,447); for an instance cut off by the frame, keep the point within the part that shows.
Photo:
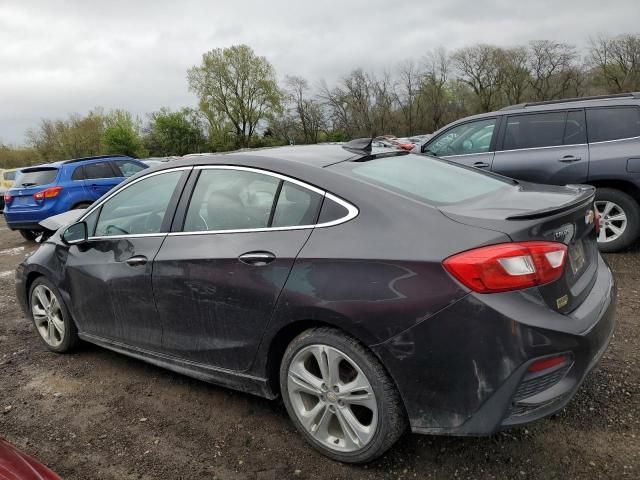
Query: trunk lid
(529,211)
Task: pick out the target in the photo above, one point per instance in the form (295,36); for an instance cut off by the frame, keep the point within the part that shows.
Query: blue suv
(45,190)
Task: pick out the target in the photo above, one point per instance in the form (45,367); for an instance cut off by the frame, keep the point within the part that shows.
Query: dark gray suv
(592,140)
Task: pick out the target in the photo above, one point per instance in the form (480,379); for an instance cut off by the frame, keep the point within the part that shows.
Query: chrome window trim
(615,140)
(119,189)
(132,235)
(464,154)
(352,210)
(262,172)
(540,148)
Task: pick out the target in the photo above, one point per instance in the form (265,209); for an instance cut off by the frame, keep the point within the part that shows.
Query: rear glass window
(534,131)
(296,206)
(32,178)
(433,181)
(98,170)
(613,123)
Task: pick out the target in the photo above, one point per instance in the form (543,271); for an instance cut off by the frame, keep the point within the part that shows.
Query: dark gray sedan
(373,291)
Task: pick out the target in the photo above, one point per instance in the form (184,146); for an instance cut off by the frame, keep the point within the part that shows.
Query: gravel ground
(95,414)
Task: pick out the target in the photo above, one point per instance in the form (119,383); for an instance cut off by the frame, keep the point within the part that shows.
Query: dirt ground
(95,414)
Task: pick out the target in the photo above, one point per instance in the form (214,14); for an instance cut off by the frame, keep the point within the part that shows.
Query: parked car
(17,465)
(8,177)
(46,190)
(373,291)
(592,140)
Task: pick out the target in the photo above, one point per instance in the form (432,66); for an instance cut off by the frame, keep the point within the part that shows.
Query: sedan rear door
(218,276)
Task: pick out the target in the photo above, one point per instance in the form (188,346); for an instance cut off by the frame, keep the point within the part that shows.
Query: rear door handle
(137,261)
(569,159)
(257,259)
(481,165)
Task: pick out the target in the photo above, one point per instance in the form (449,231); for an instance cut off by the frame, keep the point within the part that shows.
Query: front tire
(340,397)
(50,317)
(29,235)
(619,219)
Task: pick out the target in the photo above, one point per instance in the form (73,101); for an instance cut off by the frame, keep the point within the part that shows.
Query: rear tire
(29,235)
(51,318)
(620,219)
(81,205)
(352,412)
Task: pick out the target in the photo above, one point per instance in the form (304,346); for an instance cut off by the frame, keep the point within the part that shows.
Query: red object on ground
(15,465)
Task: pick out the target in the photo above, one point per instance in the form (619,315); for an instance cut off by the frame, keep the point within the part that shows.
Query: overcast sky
(58,57)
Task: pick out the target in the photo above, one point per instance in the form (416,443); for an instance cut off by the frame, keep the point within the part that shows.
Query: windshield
(31,178)
(430,180)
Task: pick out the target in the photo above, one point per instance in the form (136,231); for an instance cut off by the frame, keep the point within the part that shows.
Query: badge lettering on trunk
(562,301)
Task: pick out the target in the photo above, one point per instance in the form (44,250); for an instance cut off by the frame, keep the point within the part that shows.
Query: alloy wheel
(332,398)
(47,315)
(613,221)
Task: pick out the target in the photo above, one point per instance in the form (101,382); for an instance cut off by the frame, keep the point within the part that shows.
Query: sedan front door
(217,279)
(109,277)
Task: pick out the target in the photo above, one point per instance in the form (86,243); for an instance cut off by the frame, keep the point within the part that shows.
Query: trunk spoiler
(584,195)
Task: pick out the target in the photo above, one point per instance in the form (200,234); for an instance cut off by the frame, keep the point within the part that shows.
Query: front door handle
(569,159)
(137,261)
(257,259)
(481,165)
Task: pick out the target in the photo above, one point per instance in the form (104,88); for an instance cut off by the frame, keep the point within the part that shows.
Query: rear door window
(296,206)
(613,123)
(9,175)
(534,130)
(127,168)
(43,176)
(575,131)
(98,170)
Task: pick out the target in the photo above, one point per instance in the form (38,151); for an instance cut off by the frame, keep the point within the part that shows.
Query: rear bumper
(463,371)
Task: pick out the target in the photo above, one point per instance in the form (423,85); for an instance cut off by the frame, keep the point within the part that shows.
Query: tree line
(241,103)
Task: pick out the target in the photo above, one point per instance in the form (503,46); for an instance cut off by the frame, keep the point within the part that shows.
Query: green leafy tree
(122,135)
(235,86)
(175,133)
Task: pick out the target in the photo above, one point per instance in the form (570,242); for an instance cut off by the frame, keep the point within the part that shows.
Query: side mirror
(75,234)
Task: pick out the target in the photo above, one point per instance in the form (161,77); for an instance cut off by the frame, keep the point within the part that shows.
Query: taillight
(51,192)
(508,266)
(7,198)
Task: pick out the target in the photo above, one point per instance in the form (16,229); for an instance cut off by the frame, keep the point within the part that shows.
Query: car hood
(15,465)
(56,222)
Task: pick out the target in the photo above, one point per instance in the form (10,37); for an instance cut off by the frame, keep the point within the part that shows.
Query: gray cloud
(61,56)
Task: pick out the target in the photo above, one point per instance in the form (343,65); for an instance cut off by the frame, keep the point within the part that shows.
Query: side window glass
(98,170)
(331,211)
(127,168)
(296,206)
(613,123)
(534,130)
(472,137)
(138,209)
(231,200)
(92,221)
(574,131)
(78,174)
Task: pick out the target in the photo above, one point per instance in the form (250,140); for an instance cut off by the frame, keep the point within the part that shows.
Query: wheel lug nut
(323,386)
(336,389)
(341,403)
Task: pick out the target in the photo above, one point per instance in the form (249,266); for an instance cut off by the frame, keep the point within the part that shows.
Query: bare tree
(434,92)
(478,68)
(617,61)
(308,111)
(407,94)
(513,64)
(553,68)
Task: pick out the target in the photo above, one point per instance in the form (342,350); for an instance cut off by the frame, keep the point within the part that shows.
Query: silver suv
(593,140)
